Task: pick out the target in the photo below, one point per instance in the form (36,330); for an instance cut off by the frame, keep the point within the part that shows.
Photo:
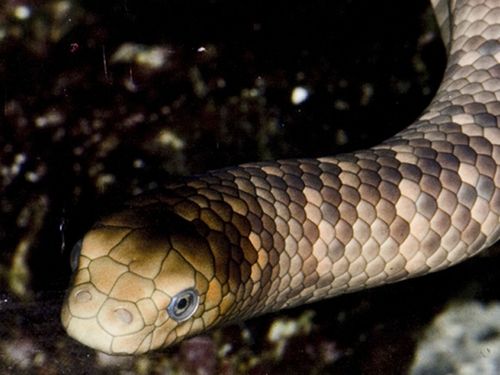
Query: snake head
(145,278)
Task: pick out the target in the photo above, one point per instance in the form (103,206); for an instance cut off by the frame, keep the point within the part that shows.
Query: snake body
(243,241)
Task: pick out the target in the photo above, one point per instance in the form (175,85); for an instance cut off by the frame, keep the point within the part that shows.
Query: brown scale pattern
(265,236)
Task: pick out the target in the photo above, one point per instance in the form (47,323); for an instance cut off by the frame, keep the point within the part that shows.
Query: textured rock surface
(463,340)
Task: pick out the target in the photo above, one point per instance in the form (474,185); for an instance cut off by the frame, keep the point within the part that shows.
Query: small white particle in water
(201,49)
(153,58)
(20,159)
(299,95)
(62,7)
(224,350)
(221,83)
(138,163)
(15,168)
(22,12)
(49,119)
(104,180)
(253,93)
(150,57)
(32,176)
(282,329)
(168,138)
(341,105)
(366,94)
(341,137)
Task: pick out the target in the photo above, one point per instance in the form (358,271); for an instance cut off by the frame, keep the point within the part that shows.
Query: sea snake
(242,241)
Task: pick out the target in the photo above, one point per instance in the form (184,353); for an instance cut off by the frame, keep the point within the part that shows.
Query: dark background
(82,130)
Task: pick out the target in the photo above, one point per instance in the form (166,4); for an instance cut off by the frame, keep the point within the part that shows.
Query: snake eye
(183,305)
(75,254)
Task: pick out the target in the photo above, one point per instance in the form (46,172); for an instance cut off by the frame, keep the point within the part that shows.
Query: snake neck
(290,232)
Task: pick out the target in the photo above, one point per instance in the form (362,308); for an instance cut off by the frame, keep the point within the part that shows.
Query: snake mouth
(87,332)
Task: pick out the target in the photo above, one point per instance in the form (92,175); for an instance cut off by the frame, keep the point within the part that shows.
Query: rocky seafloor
(103,100)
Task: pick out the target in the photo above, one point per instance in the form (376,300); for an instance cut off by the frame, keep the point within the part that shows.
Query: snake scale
(243,241)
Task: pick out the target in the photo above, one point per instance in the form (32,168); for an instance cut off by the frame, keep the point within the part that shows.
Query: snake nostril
(124,315)
(83,296)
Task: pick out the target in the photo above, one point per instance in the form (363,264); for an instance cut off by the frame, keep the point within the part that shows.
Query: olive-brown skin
(261,237)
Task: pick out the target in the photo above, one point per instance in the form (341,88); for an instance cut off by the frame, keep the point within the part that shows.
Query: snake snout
(102,322)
